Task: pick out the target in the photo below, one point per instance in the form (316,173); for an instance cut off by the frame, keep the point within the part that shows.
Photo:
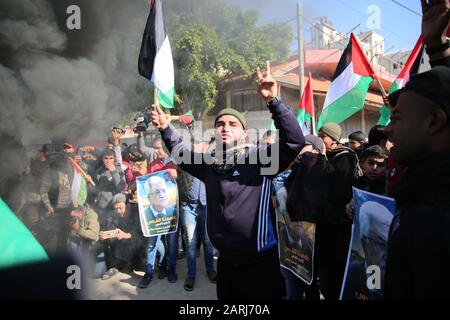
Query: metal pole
(301,58)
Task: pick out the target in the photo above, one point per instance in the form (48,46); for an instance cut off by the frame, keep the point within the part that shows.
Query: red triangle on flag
(412,59)
(307,101)
(361,65)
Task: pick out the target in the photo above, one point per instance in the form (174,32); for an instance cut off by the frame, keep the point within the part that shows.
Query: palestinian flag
(411,67)
(306,109)
(349,87)
(78,191)
(187,118)
(17,244)
(155,57)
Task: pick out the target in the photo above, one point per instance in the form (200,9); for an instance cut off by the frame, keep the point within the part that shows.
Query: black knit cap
(433,85)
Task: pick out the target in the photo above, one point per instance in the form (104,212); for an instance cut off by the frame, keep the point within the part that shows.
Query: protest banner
(158,203)
(366,263)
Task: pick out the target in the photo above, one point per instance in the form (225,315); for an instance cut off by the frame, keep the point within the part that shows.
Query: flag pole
(383,92)
(82,172)
(155,97)
(313,118)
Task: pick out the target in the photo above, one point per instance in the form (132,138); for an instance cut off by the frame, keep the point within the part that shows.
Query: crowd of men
(227,205)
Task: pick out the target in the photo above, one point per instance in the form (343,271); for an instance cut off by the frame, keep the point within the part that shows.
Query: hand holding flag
(159,118)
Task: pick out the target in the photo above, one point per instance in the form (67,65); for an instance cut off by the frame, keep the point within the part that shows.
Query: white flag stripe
(341,85)
(163,71)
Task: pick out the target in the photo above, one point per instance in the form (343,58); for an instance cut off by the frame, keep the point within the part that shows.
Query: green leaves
(212,42)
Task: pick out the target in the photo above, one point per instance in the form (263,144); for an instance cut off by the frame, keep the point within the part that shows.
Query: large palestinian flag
(155,57)
(411,67)
(349,87)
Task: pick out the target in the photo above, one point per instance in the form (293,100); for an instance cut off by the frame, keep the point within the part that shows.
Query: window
(247,101)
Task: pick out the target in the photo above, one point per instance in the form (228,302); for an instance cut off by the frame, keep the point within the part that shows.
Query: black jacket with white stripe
(240,219)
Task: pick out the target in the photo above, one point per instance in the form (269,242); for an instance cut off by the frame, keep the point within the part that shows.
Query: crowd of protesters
(82,200)
(226,206)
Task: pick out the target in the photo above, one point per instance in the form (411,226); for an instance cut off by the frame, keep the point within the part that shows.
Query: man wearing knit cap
(331,134)
(334,230)
(240,219)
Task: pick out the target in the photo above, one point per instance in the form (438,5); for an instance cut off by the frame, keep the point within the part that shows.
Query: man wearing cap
(240,218)
(334,229)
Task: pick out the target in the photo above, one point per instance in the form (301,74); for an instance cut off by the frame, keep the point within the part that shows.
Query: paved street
(124,286)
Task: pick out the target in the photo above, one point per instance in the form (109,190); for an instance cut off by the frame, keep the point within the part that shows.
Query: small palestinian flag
(187,118)
(306,109)
(411,67)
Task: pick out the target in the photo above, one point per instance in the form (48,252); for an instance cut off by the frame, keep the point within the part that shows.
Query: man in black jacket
(419,245)
(240,218)
(334,230)
(419,241)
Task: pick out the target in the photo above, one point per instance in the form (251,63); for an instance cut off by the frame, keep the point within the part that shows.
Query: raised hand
(267,86)
(159,118)
(435,21)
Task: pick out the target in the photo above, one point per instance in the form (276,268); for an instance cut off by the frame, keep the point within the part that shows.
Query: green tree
(212,42)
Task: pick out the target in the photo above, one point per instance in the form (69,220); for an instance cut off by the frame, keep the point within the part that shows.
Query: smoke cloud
(56,82)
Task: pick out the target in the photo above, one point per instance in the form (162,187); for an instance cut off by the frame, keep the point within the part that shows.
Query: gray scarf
(226,158)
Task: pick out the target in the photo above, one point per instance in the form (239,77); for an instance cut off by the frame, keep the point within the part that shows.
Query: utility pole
(301,57)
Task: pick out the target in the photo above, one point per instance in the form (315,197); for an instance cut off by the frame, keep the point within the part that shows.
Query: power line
(365,15)
(346,37)
(407,8)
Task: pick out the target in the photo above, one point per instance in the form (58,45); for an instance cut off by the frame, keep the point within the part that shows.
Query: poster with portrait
(296,239)
(366,263)
(158,203)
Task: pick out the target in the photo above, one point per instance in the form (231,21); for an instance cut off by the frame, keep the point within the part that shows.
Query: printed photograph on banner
(296,239)
(158,204)
(366,263)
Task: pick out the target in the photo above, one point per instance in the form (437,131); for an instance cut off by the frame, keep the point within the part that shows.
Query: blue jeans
(194,220)
(154,245)
(172,249)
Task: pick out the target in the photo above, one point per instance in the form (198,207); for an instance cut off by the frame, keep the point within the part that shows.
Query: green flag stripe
(303,116)
(385,113)
(347,105)
(17,244)
(166,99)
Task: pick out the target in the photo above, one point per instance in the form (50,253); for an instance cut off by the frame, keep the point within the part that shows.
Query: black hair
(108,152)
(376,135)
(374,151)
(358,136)
(269,133)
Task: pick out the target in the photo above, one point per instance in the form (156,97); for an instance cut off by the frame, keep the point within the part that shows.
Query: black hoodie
(419,243)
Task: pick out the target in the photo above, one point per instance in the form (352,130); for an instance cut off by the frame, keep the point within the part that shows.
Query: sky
(400,27)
